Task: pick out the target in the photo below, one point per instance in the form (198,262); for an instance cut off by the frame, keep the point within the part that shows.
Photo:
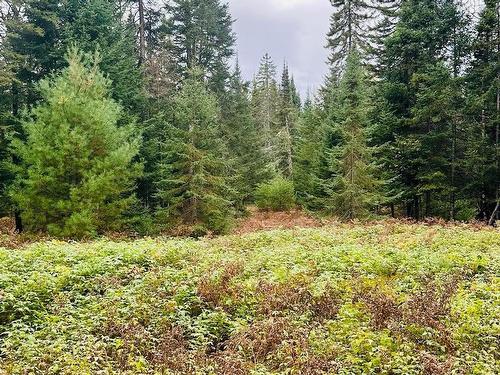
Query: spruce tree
(308,155)
(483,149)
(96,25)
(193,187)
(77,168)
(244,140)
(352,188)
(265,100)
(414,58)
(288,115)
(202,36)
(350,29)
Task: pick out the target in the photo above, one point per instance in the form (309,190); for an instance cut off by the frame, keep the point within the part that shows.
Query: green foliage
(352,188)
(287,124)
(265,107)
(244,141)
(384,298)
(276,195)
(77,166)
(202,37)
(193,187)
(95,25)
(309,150)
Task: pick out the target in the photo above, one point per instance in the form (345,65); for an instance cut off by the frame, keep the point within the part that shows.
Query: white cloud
(292,30)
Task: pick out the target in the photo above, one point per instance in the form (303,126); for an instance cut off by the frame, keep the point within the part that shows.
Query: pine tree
(202,36)
(77,166)
(265,99)
(192,175)
(352,188)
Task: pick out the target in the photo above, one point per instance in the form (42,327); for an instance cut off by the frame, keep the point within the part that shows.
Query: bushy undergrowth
(276,195)
(378,299)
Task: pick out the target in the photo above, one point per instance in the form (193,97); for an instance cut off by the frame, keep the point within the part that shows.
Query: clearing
(391,298)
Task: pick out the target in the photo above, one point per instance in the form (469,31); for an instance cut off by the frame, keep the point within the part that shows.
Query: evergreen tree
(415,63)
(483,150)
(193,186)
(288,115)
(96,25)
(352,28)
(352,188)
(265,100)
(296,100)
(77,171)
(308,155)
(31,48)
(244,141)
(202,36)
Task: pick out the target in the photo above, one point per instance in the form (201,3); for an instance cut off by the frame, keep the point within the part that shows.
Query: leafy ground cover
(389,298)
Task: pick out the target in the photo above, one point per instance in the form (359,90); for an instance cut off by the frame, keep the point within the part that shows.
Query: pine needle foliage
(77,167)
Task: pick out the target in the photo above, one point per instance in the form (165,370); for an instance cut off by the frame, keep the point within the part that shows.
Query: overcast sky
(294,30)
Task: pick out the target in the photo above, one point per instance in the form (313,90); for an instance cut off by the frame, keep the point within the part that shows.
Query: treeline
(128,115)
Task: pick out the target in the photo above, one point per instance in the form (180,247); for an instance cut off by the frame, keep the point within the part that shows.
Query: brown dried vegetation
(427,307)
(214,287)
(268,220)
(278,298)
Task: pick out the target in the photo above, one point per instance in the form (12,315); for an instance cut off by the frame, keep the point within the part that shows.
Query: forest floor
(388,297)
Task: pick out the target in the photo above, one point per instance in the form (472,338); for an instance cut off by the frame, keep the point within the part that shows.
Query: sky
(291,30)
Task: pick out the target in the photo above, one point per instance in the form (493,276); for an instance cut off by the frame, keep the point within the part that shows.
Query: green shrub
(276,195)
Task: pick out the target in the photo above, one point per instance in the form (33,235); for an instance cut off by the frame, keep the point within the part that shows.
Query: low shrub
(276,195)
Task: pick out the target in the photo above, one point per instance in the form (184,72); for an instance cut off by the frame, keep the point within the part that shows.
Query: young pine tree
(77,166)
(192,185)
(352,188)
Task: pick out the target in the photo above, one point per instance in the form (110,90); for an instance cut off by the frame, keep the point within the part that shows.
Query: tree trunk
(493,217)
(409,209)
(417,208)
(142,38)
(427,203)
(18,221)
(393,213)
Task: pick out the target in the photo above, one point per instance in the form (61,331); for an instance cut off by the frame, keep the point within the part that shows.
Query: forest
(134,115)
(162,213)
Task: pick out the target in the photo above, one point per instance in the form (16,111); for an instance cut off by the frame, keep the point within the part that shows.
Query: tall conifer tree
(352,188)
(265,100)
(202,36)
(193,187)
